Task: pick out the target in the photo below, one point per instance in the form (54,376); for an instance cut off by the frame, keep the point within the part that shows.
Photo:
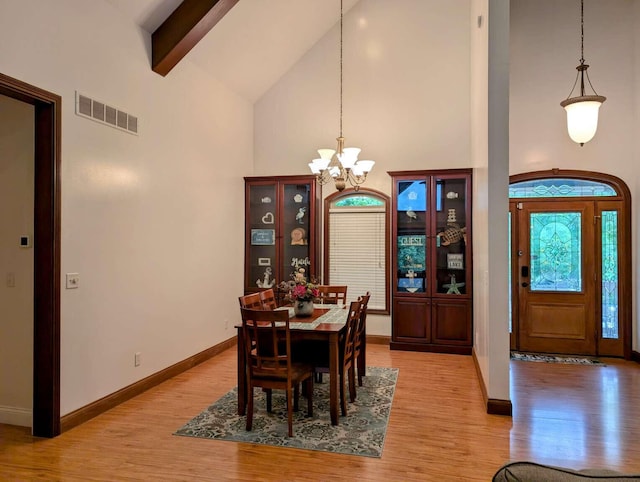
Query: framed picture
(263,237)
(264,261)
(411,251)
(455,261)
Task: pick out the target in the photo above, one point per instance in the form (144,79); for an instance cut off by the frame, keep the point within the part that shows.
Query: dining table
(326,323)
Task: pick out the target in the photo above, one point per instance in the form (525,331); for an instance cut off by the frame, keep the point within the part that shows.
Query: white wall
(151,222)
(16,263)
(545,49)
(406,96)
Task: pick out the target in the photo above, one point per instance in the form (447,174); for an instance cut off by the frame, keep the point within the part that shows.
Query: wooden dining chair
(268,299)
(332,294)
(359,348)
(346,362)
(251,301)
(267,339)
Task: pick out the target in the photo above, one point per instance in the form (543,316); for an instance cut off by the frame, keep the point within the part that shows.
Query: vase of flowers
(300,292)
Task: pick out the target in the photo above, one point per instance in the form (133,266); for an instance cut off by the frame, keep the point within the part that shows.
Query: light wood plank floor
(575,416)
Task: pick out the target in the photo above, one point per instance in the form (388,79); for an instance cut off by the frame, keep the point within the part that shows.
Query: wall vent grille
(105,114)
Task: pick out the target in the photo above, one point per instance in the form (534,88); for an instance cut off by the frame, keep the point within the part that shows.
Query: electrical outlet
(136,359)
(73,281)
(11,280)
(226,324)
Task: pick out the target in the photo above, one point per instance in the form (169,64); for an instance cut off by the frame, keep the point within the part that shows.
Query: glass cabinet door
(450,236)
(411,221)
(295,229)
(261,249)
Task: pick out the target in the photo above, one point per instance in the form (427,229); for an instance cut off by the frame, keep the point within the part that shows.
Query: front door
(555,275)
(571,273)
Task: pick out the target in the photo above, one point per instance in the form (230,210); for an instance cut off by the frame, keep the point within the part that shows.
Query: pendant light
(582,110)
(344,168)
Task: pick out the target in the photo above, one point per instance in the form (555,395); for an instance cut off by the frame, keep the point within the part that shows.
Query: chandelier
(344,168)
(582,110)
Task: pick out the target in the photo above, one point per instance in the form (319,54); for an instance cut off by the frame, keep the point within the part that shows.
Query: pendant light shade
(582,117)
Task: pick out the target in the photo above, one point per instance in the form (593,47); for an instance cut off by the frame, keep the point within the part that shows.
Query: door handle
(524,284)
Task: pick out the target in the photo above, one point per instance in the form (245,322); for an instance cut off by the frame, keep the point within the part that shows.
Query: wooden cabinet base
(427,347)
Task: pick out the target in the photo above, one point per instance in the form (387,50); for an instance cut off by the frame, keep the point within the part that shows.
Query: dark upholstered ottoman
(532,472)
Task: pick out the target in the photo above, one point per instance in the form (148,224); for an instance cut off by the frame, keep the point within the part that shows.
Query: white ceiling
(255,43)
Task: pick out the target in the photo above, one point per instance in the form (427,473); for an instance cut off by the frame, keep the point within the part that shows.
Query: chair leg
(352,384)
(343,399)
(309,388)
(249,408)
(290,411)
(296,397)
(361,369)
(268,391)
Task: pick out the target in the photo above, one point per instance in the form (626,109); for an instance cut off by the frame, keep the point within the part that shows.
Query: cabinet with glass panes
(431,244)
(281,226)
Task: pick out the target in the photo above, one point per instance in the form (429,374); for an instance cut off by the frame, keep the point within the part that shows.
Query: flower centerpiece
(300,292)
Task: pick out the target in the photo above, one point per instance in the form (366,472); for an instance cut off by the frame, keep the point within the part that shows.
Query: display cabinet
(281,226)
(432,278)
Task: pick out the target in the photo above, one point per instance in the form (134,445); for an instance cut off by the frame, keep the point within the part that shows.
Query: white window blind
(357,252)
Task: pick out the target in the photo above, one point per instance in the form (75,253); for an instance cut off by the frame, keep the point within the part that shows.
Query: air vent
(106,114)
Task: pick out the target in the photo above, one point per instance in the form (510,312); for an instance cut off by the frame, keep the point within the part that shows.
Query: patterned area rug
(537,357)
(361,432)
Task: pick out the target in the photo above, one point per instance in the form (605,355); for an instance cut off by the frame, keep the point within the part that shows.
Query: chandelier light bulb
(366,165)
(326,153)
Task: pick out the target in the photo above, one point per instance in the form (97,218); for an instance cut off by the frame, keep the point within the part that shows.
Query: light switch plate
(73,280)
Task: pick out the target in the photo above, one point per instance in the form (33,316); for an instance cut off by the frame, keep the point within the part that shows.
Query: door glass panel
(295,231)
(610,274)
(411,219)
(555,249)
(558,187)
(262,248)
(451,237)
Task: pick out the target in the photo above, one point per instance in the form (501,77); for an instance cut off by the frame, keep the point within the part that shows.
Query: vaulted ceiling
(254,43)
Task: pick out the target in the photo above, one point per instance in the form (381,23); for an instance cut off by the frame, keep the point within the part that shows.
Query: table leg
(242,375)
(334,377)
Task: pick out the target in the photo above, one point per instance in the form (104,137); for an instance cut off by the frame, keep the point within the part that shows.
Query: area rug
(538,357)
(361,432)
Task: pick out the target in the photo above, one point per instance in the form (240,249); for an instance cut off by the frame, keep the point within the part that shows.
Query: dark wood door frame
(46,242)
(624,198)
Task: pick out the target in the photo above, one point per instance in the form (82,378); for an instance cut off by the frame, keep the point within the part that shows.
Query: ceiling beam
(184,28)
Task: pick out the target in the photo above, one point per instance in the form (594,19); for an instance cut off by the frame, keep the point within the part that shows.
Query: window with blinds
(357,247)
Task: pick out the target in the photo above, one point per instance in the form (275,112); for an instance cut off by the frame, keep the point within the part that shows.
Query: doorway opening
(570,236)
(46,246)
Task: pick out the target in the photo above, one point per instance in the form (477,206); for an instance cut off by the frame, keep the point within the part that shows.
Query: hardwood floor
(568,415)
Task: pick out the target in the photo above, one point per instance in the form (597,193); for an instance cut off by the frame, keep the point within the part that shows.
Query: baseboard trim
(495,406)
(476,364)
(21,417)
(94,409)
(378,339)
(635,356)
